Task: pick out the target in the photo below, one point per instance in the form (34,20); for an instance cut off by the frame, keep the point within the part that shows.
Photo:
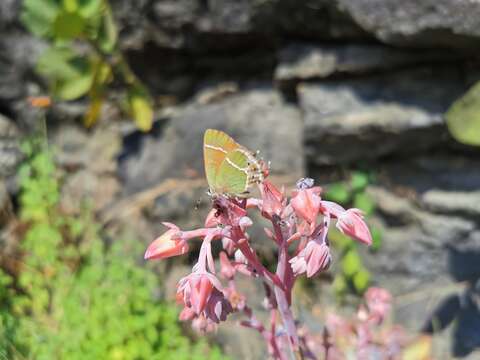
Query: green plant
(463,117)
(75,297)
(75,71)
(353,275)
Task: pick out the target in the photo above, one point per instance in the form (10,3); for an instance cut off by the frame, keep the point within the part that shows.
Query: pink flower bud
(315,257)
(379,302)
(187,314)
(272,199)
(167,245)
(306,203)
(195,289)
(351,224)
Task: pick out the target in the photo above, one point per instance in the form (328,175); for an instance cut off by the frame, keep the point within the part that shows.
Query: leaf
(376,239)
(359,181)
(107,36)
(89,8)
(340,285)
(420,349)
(70,5)
(351,263)
(93,112)
(55,63)
(364,202)
(463,117)
(73,88)
(103,74)
(70,76)
(338,192)
(339,240)
(38,16)
(361,280)
(68,25)
(141,109)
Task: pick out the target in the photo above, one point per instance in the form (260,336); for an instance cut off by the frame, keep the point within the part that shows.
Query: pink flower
(379,303)
(315,257)
(272,199)
(168,245)
(351,223)
(213,219)
(187,314)
(195,289)
(306,203)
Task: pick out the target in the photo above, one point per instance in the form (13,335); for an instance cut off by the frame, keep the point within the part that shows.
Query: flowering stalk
(299,230)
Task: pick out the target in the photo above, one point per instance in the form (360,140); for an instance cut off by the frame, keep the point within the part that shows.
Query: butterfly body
(230,168)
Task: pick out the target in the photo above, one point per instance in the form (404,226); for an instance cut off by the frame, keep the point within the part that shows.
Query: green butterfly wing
(232,176)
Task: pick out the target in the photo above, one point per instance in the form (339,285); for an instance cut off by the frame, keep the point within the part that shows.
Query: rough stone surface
(10,154)
(451,202)
(258,119)
(306,61)
(425,23)
(363,119)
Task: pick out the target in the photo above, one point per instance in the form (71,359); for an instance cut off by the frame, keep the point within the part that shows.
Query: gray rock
(10,154)
(9,10)
(427,23)
(363,119)
(257,118)
(453,202)
(302,61)
(318,19)
(17,56)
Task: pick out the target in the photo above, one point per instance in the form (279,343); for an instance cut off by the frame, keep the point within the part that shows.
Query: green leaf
(376,239)
(361,280)
(70,76)
(107,37)
(68,25)
(141,109)
(340,285)
(73,88)
(359,181)
(70,5)
(103,74)
(338,192)
(55,63)
(38,16)
(89,8)
(351,263)
(364,202)
(463,117)
(339,240)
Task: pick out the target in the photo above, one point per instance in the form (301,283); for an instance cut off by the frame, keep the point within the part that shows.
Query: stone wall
(319,87)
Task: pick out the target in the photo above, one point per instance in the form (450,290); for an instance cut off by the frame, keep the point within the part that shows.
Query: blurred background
(103,105)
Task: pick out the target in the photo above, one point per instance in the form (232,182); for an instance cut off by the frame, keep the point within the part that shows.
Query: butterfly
(230,168)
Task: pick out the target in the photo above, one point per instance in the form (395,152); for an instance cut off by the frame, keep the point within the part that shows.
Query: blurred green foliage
(353,275)
(84,58)
(463,117)
(74,297)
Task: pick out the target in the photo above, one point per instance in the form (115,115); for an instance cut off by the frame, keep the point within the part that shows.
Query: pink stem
(283,296)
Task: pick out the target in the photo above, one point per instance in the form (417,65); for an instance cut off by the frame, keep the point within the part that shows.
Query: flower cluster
(367,335)
(299,228)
